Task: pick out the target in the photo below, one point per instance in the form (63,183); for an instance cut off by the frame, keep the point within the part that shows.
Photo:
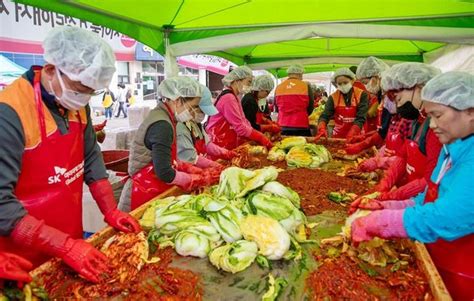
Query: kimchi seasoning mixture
(157,281)
(313,186)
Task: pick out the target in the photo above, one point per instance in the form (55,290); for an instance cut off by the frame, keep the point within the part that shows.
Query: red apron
(145,183)
(222,132)
(199,143)
(51,179)
(453,259)
(393,143)
(344,116)
(416,160)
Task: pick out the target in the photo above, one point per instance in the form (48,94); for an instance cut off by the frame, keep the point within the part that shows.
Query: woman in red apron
(348,106)
(153,163)
(229,128)
(254,105)
(442,217)
(54,163)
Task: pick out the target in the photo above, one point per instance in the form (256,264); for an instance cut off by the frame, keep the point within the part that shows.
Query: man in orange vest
(49,150)
(295,102)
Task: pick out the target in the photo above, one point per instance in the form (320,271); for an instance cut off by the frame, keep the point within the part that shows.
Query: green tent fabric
(267,33)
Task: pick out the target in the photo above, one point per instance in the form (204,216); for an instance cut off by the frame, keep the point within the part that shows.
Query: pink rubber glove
(187,182)
(219,152)
(379,205)
(392,175)
(203,162)
(409,190)
(78,254)
(103,194)
(14,267)
(260,139)
(384,223)
(187,167)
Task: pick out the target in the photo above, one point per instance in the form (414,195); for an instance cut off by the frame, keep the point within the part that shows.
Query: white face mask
(344,88)
(184,115)
(199,117)
(246,89)
(262,103)
(70,99)
(372,88)
(389,105)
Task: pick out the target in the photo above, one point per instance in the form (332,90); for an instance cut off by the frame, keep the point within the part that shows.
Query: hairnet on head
(82,55)
(342,72)
(295,69)
(407,75)
(371,66)
(179,86)
(205,104)
(263,83)
(454,89)
(236,74)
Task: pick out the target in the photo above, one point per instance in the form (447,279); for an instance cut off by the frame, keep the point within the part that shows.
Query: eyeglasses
(77,93)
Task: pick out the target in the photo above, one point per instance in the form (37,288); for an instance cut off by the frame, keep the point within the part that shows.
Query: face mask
(372,88)
(70,99)
(246,89)
(389,105)
(199,117)
(262,103)
(408,111)
(184,115)
(344,88)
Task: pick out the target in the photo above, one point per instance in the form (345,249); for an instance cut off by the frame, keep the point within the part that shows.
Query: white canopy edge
(336,30)
(313,61)
(452,58)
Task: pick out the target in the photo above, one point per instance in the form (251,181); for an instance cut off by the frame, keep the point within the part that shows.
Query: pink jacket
(230,109)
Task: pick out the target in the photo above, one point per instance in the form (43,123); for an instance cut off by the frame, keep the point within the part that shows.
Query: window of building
(123,72)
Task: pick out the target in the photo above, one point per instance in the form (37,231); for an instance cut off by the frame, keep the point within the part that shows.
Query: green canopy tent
(271,34)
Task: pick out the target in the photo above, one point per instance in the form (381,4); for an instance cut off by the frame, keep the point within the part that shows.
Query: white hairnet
(236,74)
(454,89)
(371,66)
(295,69)
(179,86)
(263,82)
(342,72)
(407,75)
(82,55)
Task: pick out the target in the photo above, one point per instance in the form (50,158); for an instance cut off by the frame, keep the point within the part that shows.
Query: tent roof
(323,28)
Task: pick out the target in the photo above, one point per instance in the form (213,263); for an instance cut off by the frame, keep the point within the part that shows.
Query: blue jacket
(451,216)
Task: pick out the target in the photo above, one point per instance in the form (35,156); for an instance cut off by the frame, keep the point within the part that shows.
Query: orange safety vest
(292,100)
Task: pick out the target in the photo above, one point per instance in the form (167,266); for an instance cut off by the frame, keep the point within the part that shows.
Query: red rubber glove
(89,262)
(260,139)
(203,162)
(188,182)
(103,194)
(14,267)
(383,223)
(370,141)
(409,190)
(270,128)
(357,138)
(354,131)
(229,155)
(211,176)
(392,175)
(188,167)
(100,126)
(322,131)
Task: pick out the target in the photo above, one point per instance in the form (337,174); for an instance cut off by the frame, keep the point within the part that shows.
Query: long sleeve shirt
(230,109)
(12,147)
(362,108)
(159,139)
(451,216)
(250,108)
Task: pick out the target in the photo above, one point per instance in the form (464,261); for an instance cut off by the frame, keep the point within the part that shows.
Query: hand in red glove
(14,267)
(203,162)
(270,128)
(211,176)
(409,190)
(78,254)
(100,126)
(188,182)
(229,155)
(322,131)
(354,131)
(260,139)
(356,138)
(383,223)
(103,194)
(392,175)
(188,167)
(370,141)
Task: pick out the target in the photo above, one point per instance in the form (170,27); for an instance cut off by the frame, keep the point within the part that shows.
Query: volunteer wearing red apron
(192,142)
(295,102)
(442,216)
(255,102)
(348,106)
(49,149)
(153,166)
(229,128)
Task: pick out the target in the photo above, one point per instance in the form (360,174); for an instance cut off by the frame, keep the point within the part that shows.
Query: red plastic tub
(116,160)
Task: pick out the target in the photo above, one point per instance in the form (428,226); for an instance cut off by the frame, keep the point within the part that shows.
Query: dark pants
(295,132)
(122,108)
